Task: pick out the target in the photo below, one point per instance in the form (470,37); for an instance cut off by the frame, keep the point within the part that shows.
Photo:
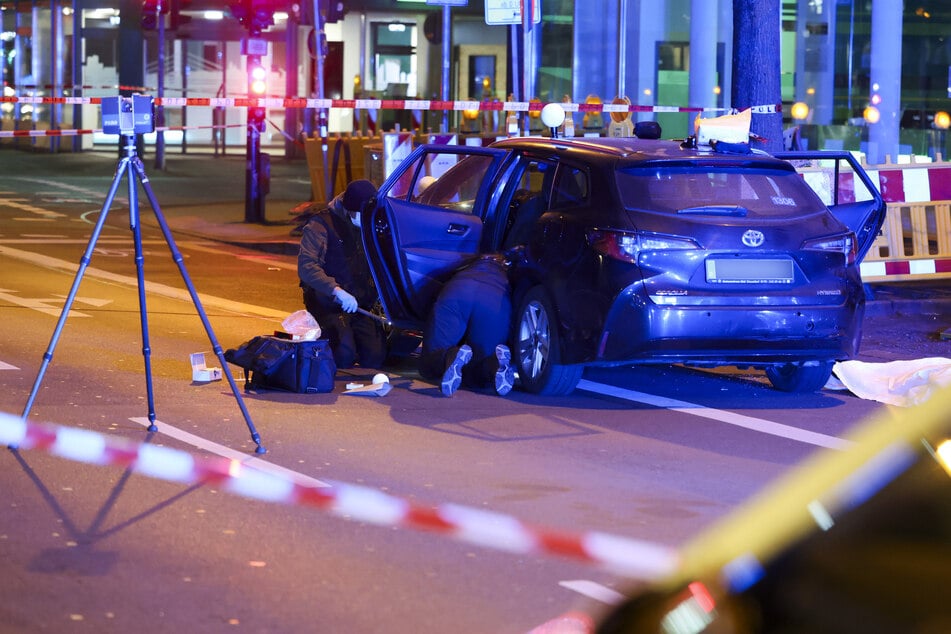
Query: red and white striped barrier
(383,104)
(880,270)
(629,557)
(6,134)
(912,183)
(905,183)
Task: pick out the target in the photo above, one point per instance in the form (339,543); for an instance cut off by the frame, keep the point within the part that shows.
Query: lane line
(594,590)
(730,418)
(35,239)
(7,366)
(150,287)
(39,212)
(59,186)
(231,454)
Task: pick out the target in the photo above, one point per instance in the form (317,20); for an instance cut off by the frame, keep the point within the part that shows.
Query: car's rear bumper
(636,331)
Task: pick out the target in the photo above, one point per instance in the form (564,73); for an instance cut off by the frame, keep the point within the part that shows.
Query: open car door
(425,222)
(846,189)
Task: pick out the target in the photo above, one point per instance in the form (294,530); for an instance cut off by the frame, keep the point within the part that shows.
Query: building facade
(666,53)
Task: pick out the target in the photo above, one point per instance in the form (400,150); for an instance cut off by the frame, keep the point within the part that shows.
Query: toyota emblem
(753,238)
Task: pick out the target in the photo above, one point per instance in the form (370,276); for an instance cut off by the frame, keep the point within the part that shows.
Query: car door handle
(457,229)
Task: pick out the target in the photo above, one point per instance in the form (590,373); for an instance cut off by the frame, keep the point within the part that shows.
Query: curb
(907,307)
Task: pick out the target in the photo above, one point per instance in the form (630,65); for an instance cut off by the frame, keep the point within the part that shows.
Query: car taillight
(626,245)
(844,244)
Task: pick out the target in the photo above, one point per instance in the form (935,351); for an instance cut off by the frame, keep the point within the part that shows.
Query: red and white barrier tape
(886,268)
(629,557)
(6,134)
(384,104)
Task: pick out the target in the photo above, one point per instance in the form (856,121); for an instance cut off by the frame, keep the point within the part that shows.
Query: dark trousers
(353,337)
(467,312)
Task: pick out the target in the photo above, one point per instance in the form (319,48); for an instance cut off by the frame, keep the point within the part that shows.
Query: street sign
(449,3)
(509,12)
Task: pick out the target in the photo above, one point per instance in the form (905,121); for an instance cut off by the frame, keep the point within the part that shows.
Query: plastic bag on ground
(302,325)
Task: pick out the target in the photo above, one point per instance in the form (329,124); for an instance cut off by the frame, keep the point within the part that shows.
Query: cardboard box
(200,372)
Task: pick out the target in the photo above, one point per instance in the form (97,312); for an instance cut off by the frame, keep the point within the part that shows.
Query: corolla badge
(753,238)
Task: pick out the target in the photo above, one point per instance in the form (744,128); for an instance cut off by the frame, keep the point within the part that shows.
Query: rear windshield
(708,190)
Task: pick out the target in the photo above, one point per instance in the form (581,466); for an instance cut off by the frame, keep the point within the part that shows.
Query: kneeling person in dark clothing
(469,323)
(336,279)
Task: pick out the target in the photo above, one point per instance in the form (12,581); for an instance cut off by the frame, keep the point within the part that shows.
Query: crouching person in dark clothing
(464,341)
(336,279)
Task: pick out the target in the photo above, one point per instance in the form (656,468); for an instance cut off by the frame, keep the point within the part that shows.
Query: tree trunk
(756,67)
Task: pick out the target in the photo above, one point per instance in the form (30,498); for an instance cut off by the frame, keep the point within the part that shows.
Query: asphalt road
(652,454)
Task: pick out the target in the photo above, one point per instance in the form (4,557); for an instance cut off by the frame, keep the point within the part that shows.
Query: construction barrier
(345,162)
(915,242)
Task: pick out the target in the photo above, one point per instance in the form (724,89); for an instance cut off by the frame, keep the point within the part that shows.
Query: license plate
(749,271)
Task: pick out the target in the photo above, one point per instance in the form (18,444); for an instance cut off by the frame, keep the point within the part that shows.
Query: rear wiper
(716,210)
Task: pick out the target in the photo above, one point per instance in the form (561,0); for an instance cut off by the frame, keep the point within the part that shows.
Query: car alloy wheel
(536,348)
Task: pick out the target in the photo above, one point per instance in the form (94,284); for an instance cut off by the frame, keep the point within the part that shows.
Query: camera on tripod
(128,115)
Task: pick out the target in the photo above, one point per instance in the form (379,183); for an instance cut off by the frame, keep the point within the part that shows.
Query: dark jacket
(331,254)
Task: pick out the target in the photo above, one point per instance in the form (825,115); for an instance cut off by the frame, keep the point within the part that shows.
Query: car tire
(537,348)
(798,377)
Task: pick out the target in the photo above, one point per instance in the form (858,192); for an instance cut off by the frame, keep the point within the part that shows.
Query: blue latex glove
(347,301)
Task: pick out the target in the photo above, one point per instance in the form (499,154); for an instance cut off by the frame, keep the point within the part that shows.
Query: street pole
(446,63)
(160,109)
(320,46)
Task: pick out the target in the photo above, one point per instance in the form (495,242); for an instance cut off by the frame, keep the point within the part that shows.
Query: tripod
(130,166)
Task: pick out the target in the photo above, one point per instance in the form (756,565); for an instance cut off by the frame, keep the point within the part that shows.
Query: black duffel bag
(284,364)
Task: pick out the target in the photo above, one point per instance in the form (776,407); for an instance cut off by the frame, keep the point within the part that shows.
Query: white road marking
(38,239)
(7,366)
(594,590)
(730,418)
(151,287)
(39,212)
(89,301)
(38,304)
(59,186)
(231,454)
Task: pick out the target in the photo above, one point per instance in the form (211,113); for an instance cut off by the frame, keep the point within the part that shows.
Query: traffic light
(257,79)
(257,89)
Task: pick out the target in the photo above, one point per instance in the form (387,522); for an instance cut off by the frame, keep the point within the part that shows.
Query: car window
(750,192)
(570,188)
(446,180)
(529,201)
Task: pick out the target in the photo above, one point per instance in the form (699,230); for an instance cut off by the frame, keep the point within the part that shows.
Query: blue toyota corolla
(636,251)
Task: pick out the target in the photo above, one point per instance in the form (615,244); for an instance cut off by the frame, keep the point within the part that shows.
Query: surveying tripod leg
(83,263)
(135,227)
(180,262)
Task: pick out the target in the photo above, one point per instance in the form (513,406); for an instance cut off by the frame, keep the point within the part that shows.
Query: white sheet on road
(902,383)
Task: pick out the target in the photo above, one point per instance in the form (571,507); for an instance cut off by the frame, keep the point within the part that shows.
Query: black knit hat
(357,194)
